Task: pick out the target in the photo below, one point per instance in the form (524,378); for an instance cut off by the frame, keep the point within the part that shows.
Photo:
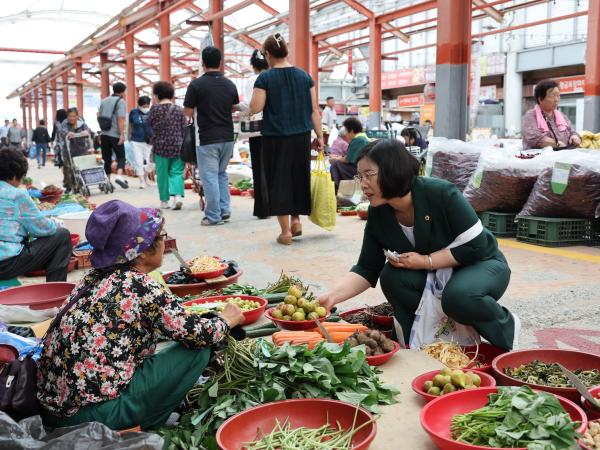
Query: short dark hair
(119,88)
(211,57)
(61,115)
(163,90)
(42,122)
(541,89)
(398,169)
(275,45)
(353,124)
(409,132)
(329,98)
(144,100)
(258,61)
(73,110)
(12,164)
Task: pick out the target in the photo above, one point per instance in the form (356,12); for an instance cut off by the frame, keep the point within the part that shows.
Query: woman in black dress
(261,199)
(286,95)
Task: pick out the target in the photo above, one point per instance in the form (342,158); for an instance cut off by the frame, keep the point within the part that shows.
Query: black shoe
(226,217)
(122,183)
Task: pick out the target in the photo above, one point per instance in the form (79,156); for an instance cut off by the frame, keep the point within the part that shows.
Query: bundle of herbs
(543,374)
(517,417)
(255,371)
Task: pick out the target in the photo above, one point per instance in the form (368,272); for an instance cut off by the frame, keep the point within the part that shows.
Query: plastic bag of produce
(452,160)
(569,188)
(503,182)
(322,193)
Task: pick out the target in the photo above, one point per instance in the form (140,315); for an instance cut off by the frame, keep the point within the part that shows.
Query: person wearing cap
(99,363)
(28,240)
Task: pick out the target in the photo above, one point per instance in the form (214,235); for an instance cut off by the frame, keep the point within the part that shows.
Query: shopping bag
(32,152)
(322,193)
(432,324)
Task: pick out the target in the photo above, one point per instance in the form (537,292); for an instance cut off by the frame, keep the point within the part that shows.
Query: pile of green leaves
(256,372)
(538,372)
(517,417)
(244,184)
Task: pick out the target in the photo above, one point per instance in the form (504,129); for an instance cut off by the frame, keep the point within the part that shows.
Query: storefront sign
(571,85)
(405,101)
(428,113)
(397,78)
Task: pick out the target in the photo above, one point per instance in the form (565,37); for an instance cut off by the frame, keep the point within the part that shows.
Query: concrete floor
(556,292)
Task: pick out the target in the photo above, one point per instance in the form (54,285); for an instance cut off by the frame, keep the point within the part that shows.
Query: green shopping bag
(322,193)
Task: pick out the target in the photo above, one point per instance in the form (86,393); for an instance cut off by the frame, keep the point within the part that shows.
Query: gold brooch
(427,218)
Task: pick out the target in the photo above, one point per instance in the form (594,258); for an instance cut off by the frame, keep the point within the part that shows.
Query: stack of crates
(552,232)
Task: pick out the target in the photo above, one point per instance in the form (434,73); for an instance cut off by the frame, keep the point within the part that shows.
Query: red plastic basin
(250,316)
(37,296)
(485,355)
(418,382)
(310,413)
(182,290)
(294,325)
(378,360)
(437,415)
(571,359)
(592,413)
(74,239)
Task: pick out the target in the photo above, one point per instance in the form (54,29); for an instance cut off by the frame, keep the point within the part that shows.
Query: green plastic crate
(500,224)
(554,232)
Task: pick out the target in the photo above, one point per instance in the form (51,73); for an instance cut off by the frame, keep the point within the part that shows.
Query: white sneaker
(165,205)
(517,331)
(177,203)
(143,183)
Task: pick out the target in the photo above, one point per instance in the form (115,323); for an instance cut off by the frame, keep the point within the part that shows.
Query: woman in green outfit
(419,218)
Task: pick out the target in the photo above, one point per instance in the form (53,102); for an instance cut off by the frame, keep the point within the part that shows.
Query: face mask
(145,110)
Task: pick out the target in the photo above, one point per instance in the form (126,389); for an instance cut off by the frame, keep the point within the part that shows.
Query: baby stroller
(86,171)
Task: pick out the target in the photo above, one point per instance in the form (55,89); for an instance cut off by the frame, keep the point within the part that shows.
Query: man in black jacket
(41,138)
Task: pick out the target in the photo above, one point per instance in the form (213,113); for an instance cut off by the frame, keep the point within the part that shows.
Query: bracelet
(430,263)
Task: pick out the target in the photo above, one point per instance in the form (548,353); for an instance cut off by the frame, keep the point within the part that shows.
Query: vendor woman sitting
(28,240)
(344,167)
(99,363)
(419,218)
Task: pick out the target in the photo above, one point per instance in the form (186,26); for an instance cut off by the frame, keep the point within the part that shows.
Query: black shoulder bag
(188,147)
(105,122)
(18,380)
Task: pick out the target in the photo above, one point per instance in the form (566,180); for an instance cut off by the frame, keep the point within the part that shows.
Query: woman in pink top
(339,147)
(545,125)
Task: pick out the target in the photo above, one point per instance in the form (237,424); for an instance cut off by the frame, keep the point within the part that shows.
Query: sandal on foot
(284,240)
(297,230)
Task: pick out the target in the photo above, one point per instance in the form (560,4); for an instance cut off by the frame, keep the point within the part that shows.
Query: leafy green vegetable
(244,184)
(538,372)
(256,372)
(517,417)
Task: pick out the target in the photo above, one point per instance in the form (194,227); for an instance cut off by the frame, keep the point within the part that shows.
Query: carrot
(344,326)
(340,336)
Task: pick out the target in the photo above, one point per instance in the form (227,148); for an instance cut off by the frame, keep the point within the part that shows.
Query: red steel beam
(489,10)
(375,66)
(314,65)
(592,59)
(65,90)
(53,102)
(104,76)
(221,13)
(44,104)
(31,50)
(406,11)
(79,85)
(24,112)
(299,24)
(215,7)
(165,48)
(36,105)
(130,72)
(359,7)
(29,118)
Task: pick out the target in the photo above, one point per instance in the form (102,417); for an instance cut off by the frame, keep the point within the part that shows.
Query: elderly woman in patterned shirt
(99,364)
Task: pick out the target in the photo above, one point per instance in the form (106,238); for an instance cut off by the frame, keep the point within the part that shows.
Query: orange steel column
(299,23)
(79,86)
(591,112)
(23,107)
(130,93)
(65,90)
(165,48)
(104,77)
(452,68)
(374,75)
(45,103)
(53,102)
(29,117)
(314,65)
(218,37)
(35,95)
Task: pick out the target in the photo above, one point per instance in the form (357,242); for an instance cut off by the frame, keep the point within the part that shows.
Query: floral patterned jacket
(101,341)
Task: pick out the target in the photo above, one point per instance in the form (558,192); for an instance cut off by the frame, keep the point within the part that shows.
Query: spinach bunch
(517,417)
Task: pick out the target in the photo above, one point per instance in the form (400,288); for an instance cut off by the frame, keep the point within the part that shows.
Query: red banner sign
(410,100)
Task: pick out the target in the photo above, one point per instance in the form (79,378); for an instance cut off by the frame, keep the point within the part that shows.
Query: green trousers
(157,387)
(169,176)
(470,298)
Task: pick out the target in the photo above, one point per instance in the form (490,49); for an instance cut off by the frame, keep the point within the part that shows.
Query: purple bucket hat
(120,232)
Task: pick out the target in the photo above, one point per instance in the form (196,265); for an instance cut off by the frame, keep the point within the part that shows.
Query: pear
(434,390)
(459,379)
(295,291)
(427,385)
(290,300)
(446,371)
(439,381)
(448,388)
(475,379)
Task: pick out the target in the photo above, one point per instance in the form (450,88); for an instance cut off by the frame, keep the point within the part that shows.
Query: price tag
(560,177)
(477,178)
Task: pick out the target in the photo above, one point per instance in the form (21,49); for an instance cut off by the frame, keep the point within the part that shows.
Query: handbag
(188,147)
(18,380)
(105,122)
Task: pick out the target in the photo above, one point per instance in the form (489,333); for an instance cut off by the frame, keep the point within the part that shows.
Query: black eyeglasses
(163,235)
